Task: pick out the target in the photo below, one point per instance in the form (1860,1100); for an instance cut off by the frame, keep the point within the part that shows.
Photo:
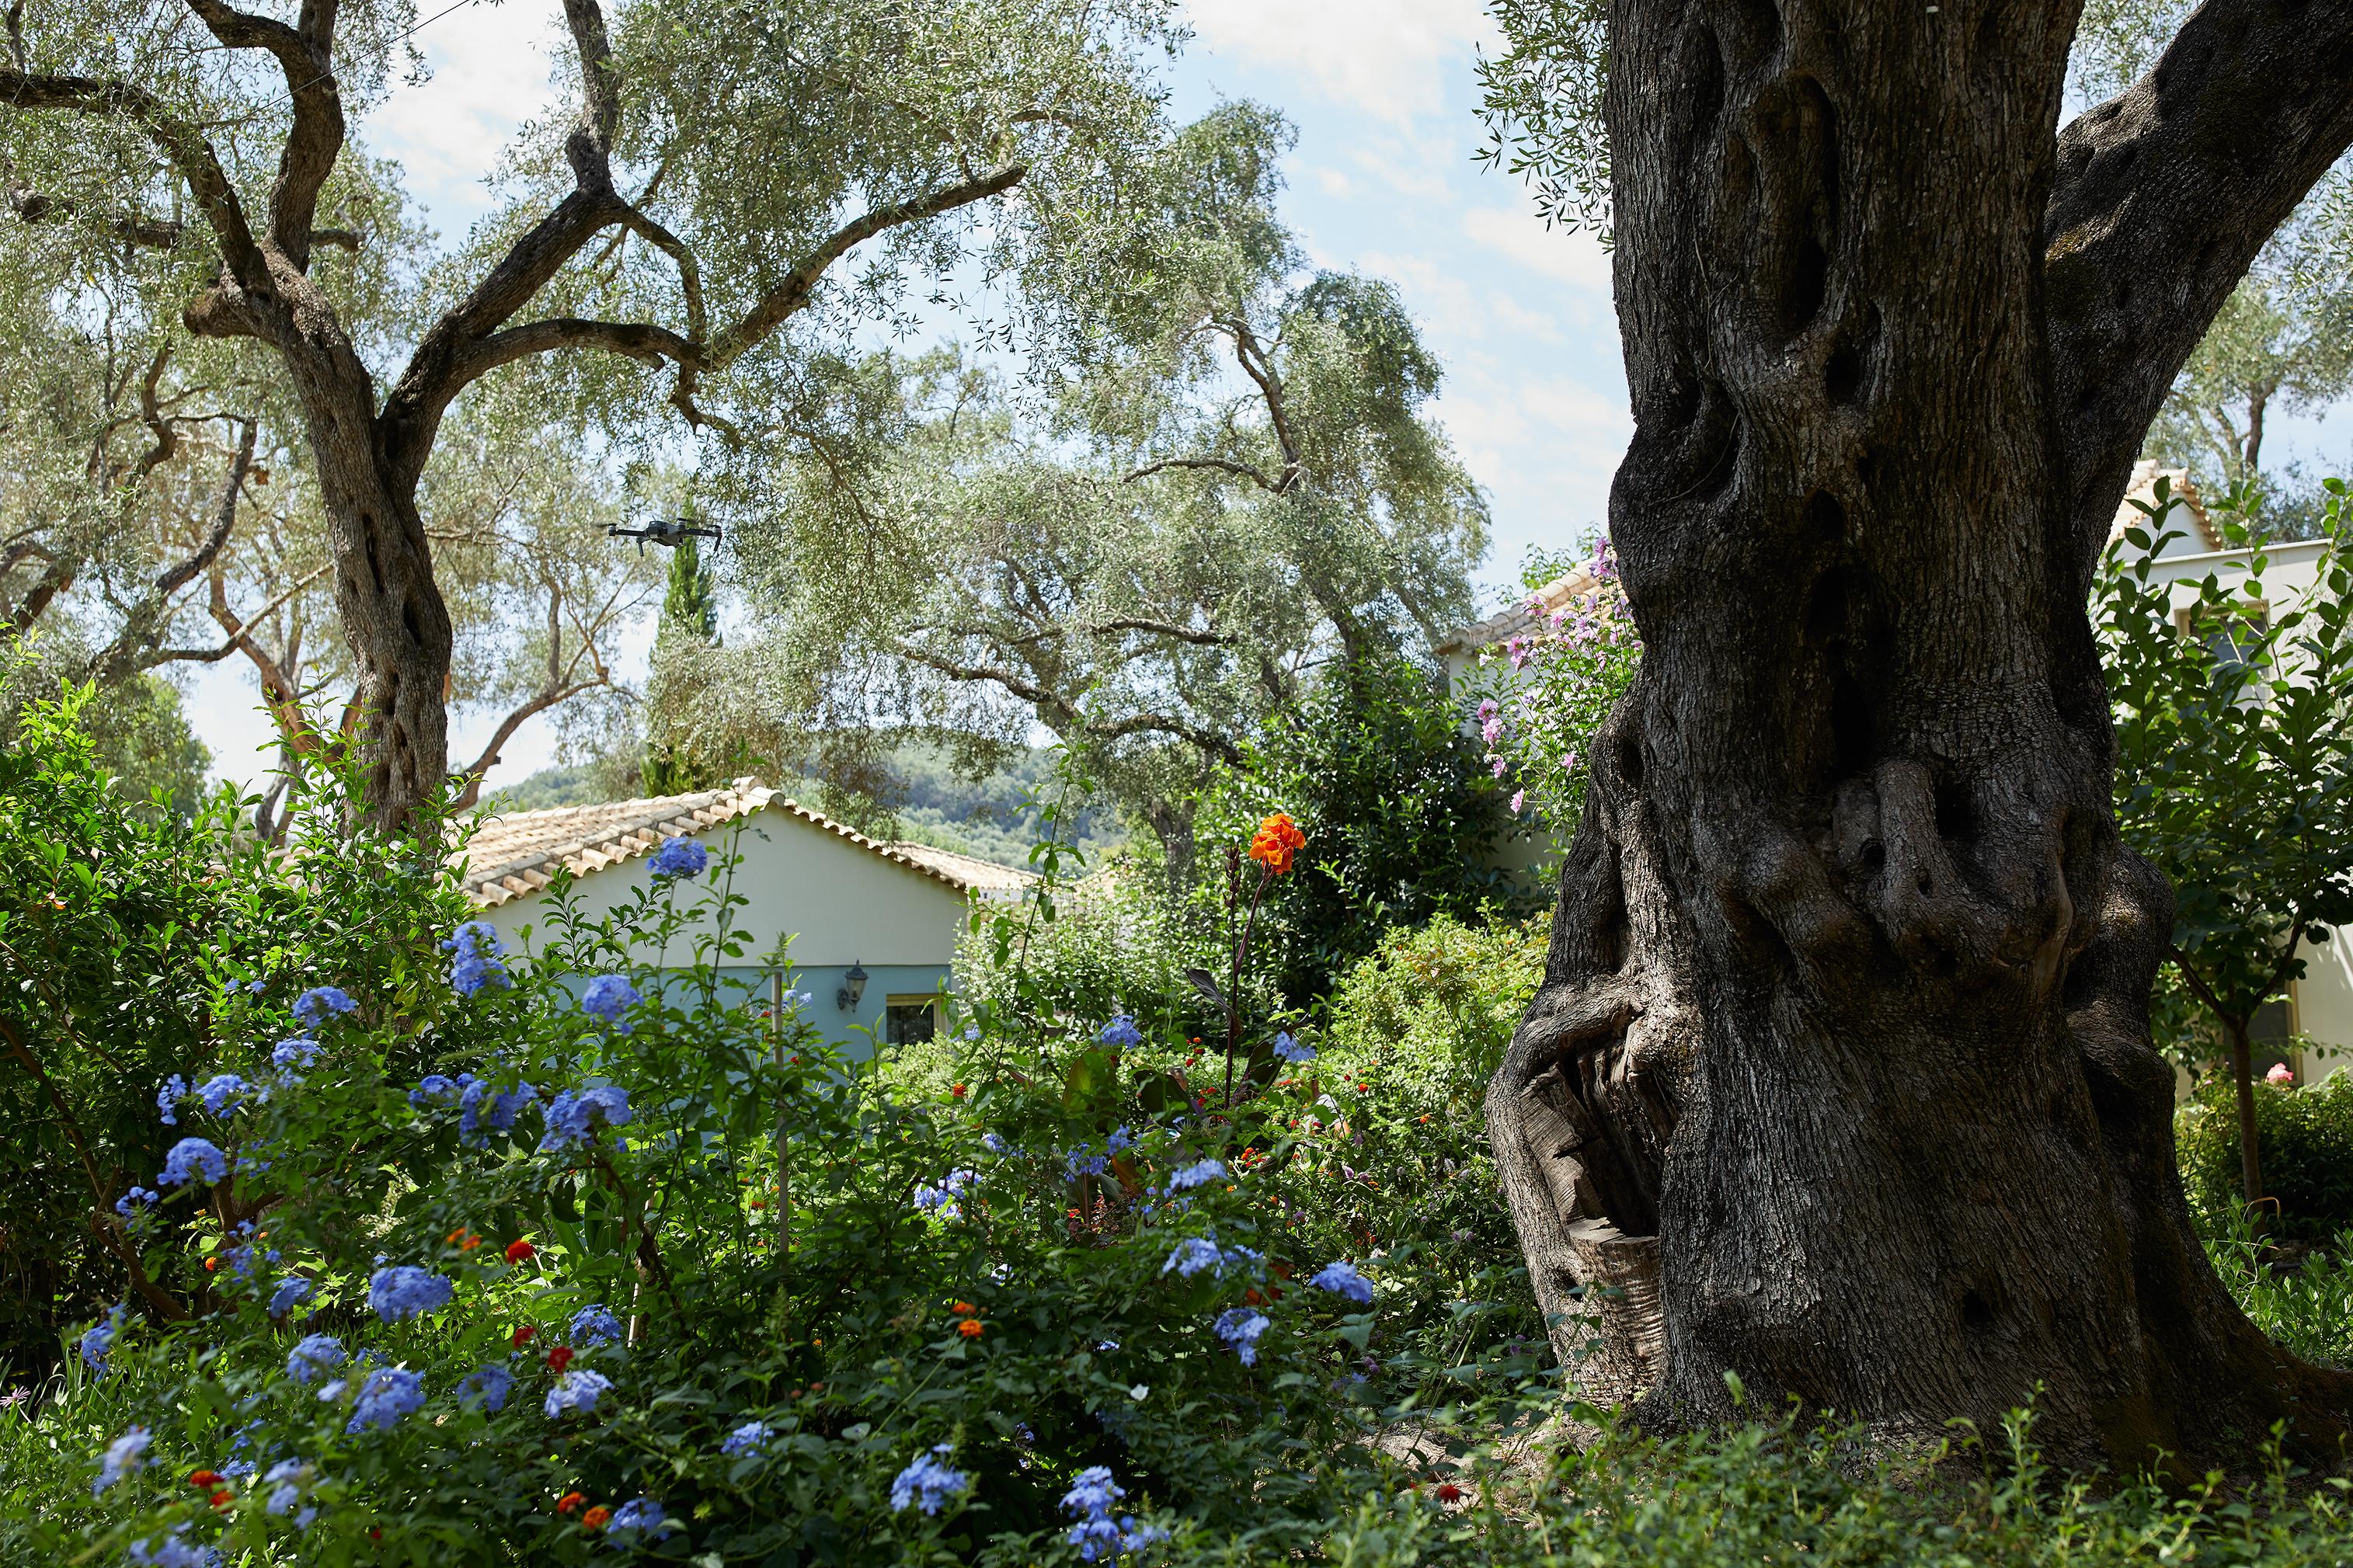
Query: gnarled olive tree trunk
(1840,1079)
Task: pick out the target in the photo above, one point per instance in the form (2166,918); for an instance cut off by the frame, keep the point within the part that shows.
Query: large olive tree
(694,215)
(1839,1084)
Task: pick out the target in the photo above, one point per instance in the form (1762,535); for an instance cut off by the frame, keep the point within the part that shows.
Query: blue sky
(1383,94)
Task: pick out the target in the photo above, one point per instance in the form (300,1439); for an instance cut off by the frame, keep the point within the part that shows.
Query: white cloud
(1391,58)
(490,69)
(1577,259)
(1455,308)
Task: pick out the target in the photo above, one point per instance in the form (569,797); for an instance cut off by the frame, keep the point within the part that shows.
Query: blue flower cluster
(943,1197)
(405,1292)
(593,1325)
(1241,1328)
(577,1391)
(316,1006)
(285,1480)
(1342,1279)
(388,1394)
(1099,1536)
(506,1104)
(1195,1254)
(172,1551)
(221,1092)
(1197,1176)
(98,1340)
(928,1484)
(639,1516)
(1289,1049)
(290,1291)
(123,1455)
(474,950)
(435,1089)
(300,1052)
(751,1438)
(1121,1031)
(315,1356)
(191,1158)
(168,1097)
(680,857)
(608,997)
(572,1117)
(489,1385)
(135,1202)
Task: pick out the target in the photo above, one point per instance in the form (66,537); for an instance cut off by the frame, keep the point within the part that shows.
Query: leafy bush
(2304,1138)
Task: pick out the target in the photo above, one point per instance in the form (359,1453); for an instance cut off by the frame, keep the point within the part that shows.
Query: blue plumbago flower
(1195,1175)
(314,1357)
(314,1006)
(221,1092)
(1291,1050)
(287,1477)
(489,1385)
(593,1325)
(98,1339)
(1098,1535)
(577,1390)
(298,1052)
(749,1438)
(608,997)
(943,1197)
(168,1097)
(256,985)
(124,1455)
(435,1089)
(572,1117)
(994,1144)
(972,1031)
(680,857)
(1120,1142)
(639,1516)
(1195,1254)
(388,1394)
(928,1484)
(290,1290)
(1239,1327)
(1342,1279)
(135,1202)
(1079,1163)
(1121,1031)
(505,1105)
(191,1158)
(405,1291)
(474,948)
(171,1552)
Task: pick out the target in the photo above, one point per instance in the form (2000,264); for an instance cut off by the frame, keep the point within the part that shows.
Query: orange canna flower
(969,1327)
(595,1517)
(1277,839)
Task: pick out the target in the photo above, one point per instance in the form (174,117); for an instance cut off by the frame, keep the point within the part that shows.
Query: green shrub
(2304,1138)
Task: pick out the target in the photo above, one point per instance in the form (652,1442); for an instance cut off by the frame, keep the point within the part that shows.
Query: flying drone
(667,531)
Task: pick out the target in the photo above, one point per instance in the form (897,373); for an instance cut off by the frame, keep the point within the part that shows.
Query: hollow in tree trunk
(1840,1078)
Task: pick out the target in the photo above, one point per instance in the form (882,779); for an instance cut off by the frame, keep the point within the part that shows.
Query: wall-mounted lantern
(853,986)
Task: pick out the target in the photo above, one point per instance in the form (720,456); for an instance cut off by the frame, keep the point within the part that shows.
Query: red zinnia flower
(1448,1492)
(570,1502)
(957,1090)
(518,1251)
(221,1498)
(969,1327)
(522,1336)
(595,1517)
(559,1357)
(963,1309)
(205,1479)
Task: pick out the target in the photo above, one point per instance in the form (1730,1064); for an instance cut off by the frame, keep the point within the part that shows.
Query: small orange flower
(207,1479)
(211,1263)
(570,1502)
(521,1251)
(221,1498)
(1277,839)
(559,1357)
(969,1327)
(595,1517)
(965,1309)
(957,1091)
(759,1202)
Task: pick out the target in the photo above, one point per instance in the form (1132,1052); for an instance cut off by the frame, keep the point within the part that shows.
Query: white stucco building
(873,925)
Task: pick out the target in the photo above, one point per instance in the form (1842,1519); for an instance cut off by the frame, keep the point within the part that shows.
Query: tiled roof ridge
(620,834)
(1516,617)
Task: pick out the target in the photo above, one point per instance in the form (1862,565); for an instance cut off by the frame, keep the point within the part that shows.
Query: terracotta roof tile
(517,852)
(1525,615)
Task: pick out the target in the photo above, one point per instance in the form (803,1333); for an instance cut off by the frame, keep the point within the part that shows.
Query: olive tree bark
(1840,1079)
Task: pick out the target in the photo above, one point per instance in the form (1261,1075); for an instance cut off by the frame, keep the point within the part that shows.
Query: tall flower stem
(1234,988)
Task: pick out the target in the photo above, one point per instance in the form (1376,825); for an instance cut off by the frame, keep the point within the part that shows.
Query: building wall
(841,905)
